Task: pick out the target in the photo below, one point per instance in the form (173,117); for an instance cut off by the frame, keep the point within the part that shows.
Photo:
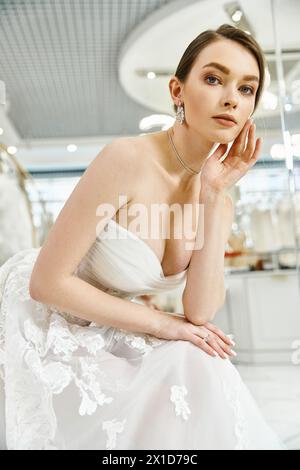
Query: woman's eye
(249,88)
(245,87)
(211,76)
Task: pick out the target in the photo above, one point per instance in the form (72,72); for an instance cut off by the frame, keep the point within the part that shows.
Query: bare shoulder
(137,155)
(122,153)
(110,174)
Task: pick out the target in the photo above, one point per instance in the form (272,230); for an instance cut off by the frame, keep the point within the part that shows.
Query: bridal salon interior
(76,74)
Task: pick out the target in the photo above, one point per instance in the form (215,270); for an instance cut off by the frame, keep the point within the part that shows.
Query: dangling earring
(180,114)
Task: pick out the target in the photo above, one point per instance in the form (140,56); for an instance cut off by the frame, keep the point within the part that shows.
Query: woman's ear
(176,90)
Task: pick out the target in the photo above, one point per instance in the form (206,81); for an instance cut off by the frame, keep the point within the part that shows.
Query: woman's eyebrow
(225,70)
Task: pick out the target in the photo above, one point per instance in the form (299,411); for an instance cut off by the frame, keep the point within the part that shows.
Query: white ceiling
(63,60)
(158,43)
(59,59)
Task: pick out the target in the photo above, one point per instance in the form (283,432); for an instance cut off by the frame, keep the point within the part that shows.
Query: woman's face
(208,91)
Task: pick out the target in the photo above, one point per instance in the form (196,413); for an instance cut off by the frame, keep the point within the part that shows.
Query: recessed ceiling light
(151,75)
(72,148)
(12,150)
(237,15)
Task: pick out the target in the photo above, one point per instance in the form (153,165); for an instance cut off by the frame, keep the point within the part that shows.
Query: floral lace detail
(232,394)
(35,413)
(69,317)
(61,338)
(154,341)
(90,389)
(2,341)
(112,428)
(42,358)
(177,397)
(19,282)
(21,277)
(31,422)
(45,353)
(141,342)
(55,375)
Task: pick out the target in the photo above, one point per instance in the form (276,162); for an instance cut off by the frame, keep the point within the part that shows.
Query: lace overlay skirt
(72,384)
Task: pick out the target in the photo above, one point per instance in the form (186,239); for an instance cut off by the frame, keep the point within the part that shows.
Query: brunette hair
(210,36)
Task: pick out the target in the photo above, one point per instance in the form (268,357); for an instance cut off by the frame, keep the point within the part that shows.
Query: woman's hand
(179,328)
(218,175)
(148,300)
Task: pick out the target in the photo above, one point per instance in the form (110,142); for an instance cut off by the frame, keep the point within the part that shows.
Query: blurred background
(76,74)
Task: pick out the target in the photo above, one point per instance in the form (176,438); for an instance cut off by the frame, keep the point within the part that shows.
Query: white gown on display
(15,222)
(72,384)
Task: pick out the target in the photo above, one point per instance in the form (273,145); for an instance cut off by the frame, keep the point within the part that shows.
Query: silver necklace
(179,157)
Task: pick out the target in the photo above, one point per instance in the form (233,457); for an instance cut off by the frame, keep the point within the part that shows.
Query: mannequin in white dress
(85,364)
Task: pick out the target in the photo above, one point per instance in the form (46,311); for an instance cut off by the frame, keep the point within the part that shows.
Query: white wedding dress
(71,384)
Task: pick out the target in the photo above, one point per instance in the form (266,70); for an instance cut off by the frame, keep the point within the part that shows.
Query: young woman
(87,364)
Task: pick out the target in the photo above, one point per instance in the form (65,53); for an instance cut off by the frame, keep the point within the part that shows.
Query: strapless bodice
(123,264)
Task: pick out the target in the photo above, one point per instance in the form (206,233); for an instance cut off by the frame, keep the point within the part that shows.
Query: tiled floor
(276,390)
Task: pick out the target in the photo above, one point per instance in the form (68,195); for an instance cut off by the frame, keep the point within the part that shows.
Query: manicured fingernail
(226,357)
(215,353)
(232,342)
(233,352)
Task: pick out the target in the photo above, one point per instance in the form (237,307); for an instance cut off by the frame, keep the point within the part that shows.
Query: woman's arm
(73,295)
(112,173)
(204,292)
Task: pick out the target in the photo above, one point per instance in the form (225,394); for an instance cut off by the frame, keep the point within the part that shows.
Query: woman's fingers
(250,144)
(240,149)
(256,152)
(203,345)
(149,302)
(226,349)
(217,340)
(152,305)
(239,144)
(253,146)
(214,343)
(245,160)
(218,332)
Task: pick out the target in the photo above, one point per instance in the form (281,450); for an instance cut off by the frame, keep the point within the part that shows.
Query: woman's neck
(192,150)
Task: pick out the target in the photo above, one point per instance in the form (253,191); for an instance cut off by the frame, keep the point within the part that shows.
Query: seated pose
(87,363)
